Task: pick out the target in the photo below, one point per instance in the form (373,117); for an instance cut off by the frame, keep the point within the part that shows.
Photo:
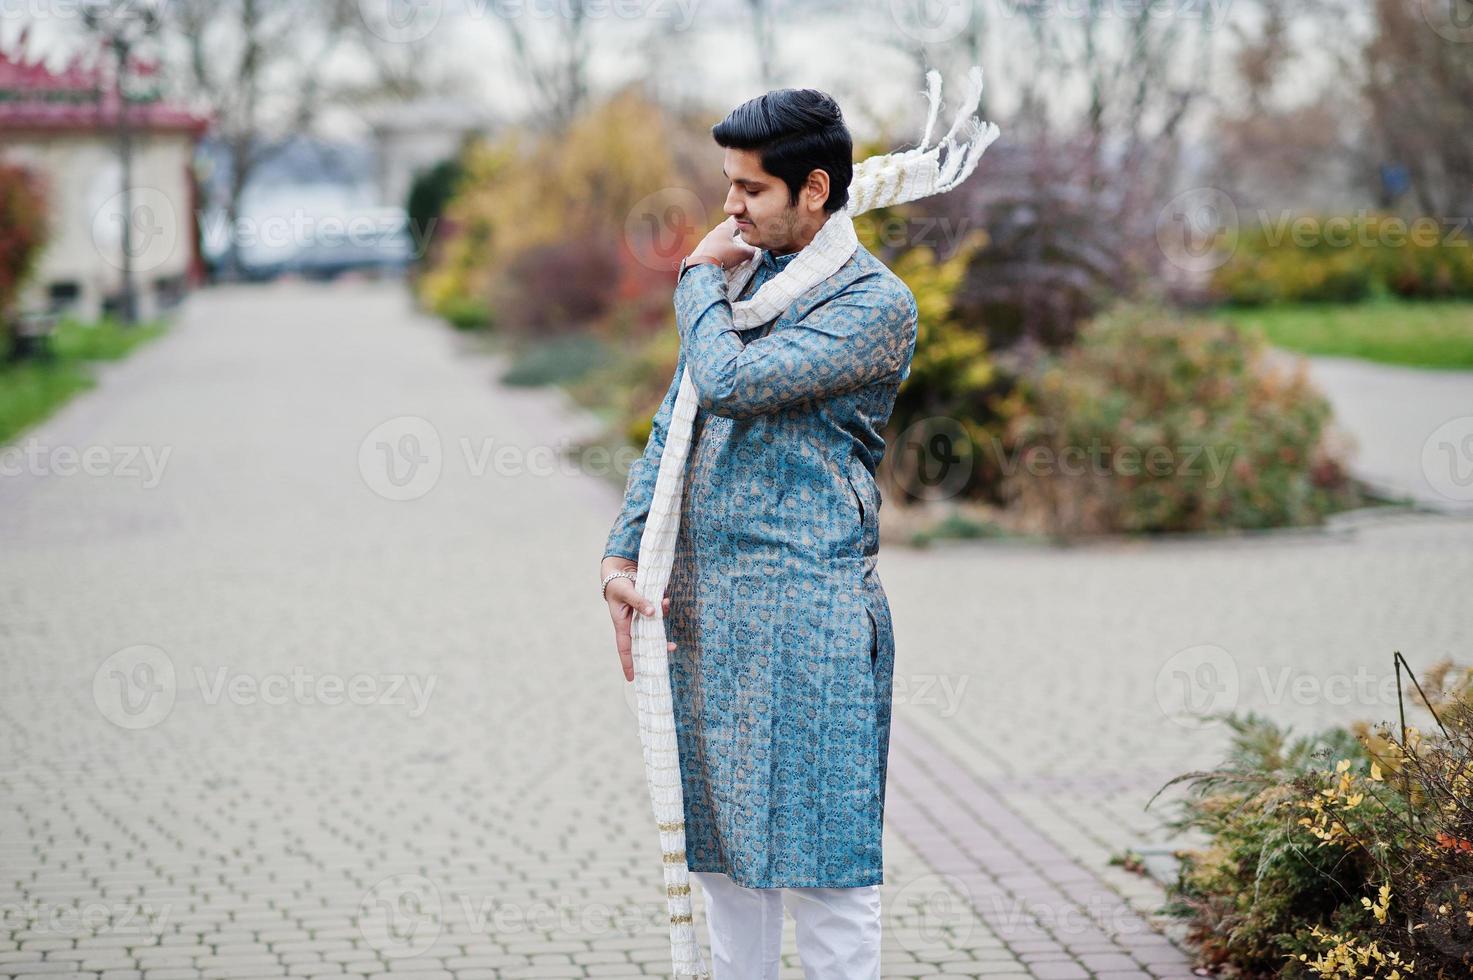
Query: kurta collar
(777,262)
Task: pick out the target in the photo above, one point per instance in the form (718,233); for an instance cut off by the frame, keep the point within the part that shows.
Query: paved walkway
(305,674)
(1412,427)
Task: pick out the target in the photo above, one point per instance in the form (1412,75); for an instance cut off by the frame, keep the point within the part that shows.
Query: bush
(1152,423)
(22,232)
(464,312)
(539,230)
(1347,855)
(952,373)
(430,192)
(1347,259)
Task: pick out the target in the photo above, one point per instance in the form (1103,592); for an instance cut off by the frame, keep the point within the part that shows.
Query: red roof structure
(81,97)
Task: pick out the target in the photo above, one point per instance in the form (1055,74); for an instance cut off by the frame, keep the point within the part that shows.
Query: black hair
(796,131)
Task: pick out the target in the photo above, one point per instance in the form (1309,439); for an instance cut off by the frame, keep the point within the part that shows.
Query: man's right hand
(624,599)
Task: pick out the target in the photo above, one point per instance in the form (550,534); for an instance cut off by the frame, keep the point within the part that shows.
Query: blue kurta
(784,657)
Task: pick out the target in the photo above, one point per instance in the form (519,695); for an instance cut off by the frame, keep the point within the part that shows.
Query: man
(782,649)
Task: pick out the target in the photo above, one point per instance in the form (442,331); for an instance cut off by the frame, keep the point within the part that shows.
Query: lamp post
(121,29)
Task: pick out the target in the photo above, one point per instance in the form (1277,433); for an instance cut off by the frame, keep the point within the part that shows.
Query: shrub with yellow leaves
(1346,855)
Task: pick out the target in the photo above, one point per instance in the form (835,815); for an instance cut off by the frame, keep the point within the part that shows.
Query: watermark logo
(1196,684)
(142,224)
(47,920)
(301,687)
(1211,13)
(401,21)
(106,11)
(933,458)
(1451,19)
(401,916)
(1447,459)
(932,910)
(34,458)
(135,688)
(932,21)
(664,226)
(678,13)
(401,459)
(1197,230)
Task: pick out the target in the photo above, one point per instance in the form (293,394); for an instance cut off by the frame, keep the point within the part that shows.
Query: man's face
(759,202)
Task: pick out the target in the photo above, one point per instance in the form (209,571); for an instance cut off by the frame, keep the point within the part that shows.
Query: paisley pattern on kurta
(784,658)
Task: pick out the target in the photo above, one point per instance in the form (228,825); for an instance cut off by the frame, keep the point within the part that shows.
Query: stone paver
(262,720)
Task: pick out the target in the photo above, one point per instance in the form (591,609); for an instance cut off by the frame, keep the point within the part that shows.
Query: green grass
(32,390)
(1438,335)
(563,360)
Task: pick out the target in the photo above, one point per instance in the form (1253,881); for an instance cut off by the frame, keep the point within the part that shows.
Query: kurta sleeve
(629,526)
(861,334)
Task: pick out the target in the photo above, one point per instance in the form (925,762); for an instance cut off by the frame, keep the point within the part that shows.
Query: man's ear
(818,186)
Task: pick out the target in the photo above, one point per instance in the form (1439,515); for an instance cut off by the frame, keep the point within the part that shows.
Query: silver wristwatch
(628,573)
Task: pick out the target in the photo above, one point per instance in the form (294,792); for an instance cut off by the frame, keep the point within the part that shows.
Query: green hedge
(1346,258)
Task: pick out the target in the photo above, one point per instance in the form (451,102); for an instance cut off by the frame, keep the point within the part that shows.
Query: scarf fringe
(927,170)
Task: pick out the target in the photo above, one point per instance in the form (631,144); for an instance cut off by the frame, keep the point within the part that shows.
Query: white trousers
(838,929)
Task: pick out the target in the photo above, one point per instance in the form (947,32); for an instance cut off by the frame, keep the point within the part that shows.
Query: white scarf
(878,182)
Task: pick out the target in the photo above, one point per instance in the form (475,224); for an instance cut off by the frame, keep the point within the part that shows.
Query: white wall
(83,180)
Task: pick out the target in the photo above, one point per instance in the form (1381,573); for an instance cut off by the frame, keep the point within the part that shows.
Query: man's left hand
(722,245)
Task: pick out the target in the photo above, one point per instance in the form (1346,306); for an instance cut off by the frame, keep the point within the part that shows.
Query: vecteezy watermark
(1211,13)
(1102,459)
(383,233)
(140,223)
(135,688)
(933,458)
(45,920)
(1447,459)
(1102,911)
(403,458)
(932,21)
(679,13)
(663,226)
(138,686)
(1198,686)
(1197,230)
(402,916)
(34,458)
(937,232)
(401,21)
(1451,19)
(1362,229)
(300,687)
(931,909)
(942,692)
(108,10)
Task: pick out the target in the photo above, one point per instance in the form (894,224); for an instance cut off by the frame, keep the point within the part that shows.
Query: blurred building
(412,137)
(64,125)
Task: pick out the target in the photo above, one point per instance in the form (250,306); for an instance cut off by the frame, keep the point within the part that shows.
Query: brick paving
(275,708)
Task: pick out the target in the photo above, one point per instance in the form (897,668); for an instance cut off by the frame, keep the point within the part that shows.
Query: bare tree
(764,37)
(257,67)
(555,66)
(1419,85)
